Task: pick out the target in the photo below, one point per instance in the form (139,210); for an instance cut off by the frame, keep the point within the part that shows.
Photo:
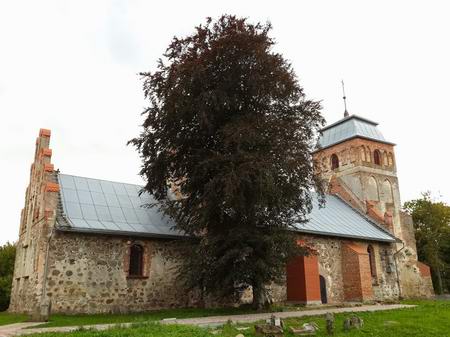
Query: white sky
(71,66)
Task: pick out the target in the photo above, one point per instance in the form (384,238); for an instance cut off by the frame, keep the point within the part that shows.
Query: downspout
(396,269)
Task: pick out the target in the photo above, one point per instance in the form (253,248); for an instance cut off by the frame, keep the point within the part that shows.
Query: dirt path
(21,328)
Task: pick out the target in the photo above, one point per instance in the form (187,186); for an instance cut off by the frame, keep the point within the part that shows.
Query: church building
(88,245)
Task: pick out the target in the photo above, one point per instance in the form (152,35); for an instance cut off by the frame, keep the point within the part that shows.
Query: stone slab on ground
(19,329)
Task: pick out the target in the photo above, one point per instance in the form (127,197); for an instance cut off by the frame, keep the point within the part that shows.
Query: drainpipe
(396,268)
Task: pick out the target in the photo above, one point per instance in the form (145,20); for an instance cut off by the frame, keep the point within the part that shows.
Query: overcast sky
(71,66)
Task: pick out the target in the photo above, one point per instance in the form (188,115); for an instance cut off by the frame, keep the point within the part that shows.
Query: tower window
(377,157)
(334,161)
(373,270)
(136,260)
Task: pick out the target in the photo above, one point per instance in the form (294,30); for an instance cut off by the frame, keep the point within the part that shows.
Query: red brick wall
(356,273)
(303,279)
(424,269)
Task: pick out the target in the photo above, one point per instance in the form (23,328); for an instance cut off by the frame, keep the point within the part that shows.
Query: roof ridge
(110,181)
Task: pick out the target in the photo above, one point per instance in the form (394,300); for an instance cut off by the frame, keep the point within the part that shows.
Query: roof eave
(118,233)
(351,138)
(364,238)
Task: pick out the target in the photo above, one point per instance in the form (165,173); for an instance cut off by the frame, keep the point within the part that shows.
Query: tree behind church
(432,231)
(7,258)
(230,128)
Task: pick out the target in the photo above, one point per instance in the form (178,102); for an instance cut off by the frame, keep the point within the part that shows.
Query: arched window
(368,154)
(373,270)
(386,191)
(372,189)
(390,159)
(136,260)
(377,157)
(363,153)
(334,161)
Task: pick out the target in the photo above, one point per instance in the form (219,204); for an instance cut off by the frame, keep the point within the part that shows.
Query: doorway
(323,290)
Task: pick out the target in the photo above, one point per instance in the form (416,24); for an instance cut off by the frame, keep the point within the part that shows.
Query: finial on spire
(346,114)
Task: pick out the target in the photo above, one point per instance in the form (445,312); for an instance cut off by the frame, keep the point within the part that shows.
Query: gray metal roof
(339,219)
(349,128)
(100,206)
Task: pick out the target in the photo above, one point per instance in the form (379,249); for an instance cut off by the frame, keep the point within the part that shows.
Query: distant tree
(230,131)
(7,258)
(432,230)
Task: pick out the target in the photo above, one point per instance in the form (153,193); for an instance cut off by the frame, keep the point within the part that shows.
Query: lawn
(7,318)
(78,320)
(57,320)
(430,318)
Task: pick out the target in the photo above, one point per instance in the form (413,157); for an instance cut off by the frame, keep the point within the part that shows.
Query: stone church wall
(332,268)
(36,224)
(88,274)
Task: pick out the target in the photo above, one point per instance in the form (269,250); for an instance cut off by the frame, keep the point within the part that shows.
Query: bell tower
(359,165)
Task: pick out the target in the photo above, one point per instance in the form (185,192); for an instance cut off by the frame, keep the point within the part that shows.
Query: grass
(79,320)
(7,318)
(429,319)
(57,320)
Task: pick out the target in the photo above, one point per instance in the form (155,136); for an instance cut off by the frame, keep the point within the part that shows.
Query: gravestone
(330,323)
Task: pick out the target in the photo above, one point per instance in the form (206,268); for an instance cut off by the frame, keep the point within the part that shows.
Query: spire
(346,114)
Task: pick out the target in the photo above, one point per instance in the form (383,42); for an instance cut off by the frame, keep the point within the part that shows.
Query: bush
(7,257)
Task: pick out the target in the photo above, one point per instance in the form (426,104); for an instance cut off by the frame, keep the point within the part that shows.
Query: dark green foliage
(7,257)
(230,129)
(432,230)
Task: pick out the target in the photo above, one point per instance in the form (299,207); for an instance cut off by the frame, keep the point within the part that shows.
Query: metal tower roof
(348,128)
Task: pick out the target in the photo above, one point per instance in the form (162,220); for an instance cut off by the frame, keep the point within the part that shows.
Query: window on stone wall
(390,159)
(334,161)
(136,260)
(377,157)
(371,252)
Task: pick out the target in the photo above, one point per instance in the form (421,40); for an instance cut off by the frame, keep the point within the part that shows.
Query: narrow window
(136,260)
(371,253)
(334,161)
(377,157)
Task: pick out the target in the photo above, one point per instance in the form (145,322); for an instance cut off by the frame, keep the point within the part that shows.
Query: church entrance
(323,290)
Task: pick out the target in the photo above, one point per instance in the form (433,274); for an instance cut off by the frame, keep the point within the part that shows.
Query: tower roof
(348,128)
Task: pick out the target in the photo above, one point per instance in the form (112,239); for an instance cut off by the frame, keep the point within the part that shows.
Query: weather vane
(346,114)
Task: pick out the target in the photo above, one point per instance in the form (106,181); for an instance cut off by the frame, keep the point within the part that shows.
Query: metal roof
(100,206)
(349,128)
(106,207)
(339,219)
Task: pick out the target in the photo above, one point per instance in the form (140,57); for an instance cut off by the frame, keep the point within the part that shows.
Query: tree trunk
(440,286)
(260,299)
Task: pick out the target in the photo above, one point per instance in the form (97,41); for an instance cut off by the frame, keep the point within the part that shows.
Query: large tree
(230,131)
(432,230)
(7,258)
